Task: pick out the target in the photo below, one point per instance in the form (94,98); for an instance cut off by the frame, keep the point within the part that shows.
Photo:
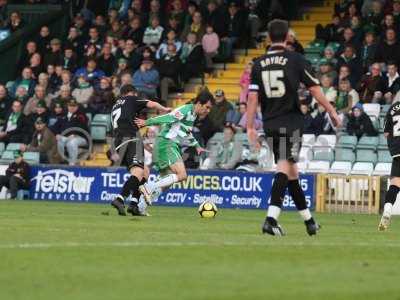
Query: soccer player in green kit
(176,130)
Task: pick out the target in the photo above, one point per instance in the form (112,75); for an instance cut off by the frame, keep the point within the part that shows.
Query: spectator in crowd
(134,31)
(44,142)
(219,111)
(196,26)
(91,72)
(5,104)
(55,56)
(65,95)
(328,89)
(390,84)
(326,68)
(344,101)
(147,79)
(17,175)
(349,58)
(375,16)
(130,53)
(331,32)
(75,40)
(258,123)
(236,25)
(30,49)
(210,43)
(349,39)
(169,67)
(40,111)
(15,22)
(15,126)
(69,60)
(176,10)
(396,11)
(102,99)
(54,80)
(155,11)
(43,40)
(56,113)
(153,33)
(75,118)
(254,23)
(344,72)
(171,39)
(94,39)
(369,85)
(322,123)
(329,55)
(192,57)
(308,119)
(83,91)
(122,67)
(26,81)
(213,16)
(174,25)
(294,42)
(359,123)
(107,61)
(245,82)
(368,50)
(35,64)
(388,49)
(3,13)
(40,95)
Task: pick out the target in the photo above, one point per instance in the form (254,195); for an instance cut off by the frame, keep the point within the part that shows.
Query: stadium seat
(347,141)
(318,166)
(302,166)
(7,157)
(326,140)
(306,154)
(368,142)
(32,157)
(384,110)
(90,117)
(13,147)
(308,140)
(368,156)
(98,132)
(341,167)
(344,154)
(384,156)
(382,169)
(323,154)
(372,109)
(2,148)
(102,119)
(362,168)
(382,142)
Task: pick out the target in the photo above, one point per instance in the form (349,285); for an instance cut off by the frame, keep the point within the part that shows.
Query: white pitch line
(188,244)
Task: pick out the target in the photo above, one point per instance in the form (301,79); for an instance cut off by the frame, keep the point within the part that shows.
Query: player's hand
(200,150)
(140,122)
(336,120)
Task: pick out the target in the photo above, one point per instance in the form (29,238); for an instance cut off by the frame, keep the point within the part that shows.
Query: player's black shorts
(395,171)
(284,136)
(130,150)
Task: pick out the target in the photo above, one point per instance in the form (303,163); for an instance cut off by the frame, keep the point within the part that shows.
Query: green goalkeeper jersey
(177,125)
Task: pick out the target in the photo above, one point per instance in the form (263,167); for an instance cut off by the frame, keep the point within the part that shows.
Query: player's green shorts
(165,153)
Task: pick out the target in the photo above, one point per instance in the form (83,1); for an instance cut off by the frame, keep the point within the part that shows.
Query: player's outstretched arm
(252,103)
(158,106)
(317,93)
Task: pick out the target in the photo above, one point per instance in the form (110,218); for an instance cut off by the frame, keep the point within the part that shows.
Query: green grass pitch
(62,251)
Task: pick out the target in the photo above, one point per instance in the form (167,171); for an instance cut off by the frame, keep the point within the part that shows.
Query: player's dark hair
(127,88)
(278,29)
(203,97)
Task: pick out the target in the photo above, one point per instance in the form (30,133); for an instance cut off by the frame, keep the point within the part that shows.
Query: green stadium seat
(90,117)
(347,141)
(345,154)
(32,157)
(384,110)
(323,154)
(364,155)
(7,157)
(102,119)
(13,147)
(368,142)
(2,148)
(384,156)
(382,142)
(98,132)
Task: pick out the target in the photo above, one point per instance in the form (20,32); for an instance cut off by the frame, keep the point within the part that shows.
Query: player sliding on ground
(176,130)
(392,133)
(275,79)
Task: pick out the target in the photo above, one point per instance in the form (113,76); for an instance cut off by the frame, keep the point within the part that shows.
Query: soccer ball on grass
(208,209)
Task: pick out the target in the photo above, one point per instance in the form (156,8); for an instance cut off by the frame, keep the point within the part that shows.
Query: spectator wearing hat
(90,72)
(359,123)
(16,125)
(17,175)
(5,104)
(169,67)
(147,79)
(192,57)
(102,99)
(219,110)
(388,49)
(106,61)
(26,81)
(40,95)
(153,33)
(83,91)
(122,67)
(74,118)
(44,142)
(55,56)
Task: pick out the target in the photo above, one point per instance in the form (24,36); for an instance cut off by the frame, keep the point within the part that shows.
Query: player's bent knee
(137,172)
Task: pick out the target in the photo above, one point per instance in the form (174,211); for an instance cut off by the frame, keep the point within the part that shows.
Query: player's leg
(137,198)
(391,195)
(297,194)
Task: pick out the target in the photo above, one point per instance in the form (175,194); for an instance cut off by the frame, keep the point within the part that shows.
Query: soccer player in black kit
(129,150)
(392,133)
(275,79)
